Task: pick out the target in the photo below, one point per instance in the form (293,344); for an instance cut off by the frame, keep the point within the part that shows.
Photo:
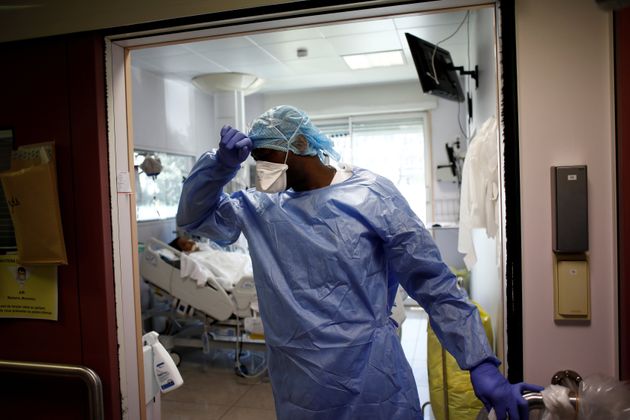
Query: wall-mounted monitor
(437,73)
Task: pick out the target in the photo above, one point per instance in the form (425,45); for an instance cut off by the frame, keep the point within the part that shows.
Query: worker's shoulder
(377,183)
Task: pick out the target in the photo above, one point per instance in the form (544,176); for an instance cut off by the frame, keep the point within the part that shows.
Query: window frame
(424,116)
(137,174)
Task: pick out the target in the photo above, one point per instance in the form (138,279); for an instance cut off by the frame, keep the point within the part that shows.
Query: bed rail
(87,375)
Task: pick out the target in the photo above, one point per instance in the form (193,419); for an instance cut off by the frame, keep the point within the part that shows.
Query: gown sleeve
(414,260)
(204,208)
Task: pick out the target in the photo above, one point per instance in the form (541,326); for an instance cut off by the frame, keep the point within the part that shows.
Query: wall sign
(27,291)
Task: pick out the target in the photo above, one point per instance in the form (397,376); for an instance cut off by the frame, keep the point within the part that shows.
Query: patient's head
(184,244)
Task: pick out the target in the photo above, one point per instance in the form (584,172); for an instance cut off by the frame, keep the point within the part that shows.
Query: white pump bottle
(166,373)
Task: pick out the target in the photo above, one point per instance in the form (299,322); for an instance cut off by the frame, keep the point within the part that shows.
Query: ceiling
(272,56)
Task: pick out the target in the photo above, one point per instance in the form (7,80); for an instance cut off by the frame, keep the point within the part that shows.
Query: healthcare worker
(329,248)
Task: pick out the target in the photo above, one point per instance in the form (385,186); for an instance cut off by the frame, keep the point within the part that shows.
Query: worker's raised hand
(496,392)
(234,147)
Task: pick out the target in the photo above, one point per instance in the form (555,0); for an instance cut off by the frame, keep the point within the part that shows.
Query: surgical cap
(279,127)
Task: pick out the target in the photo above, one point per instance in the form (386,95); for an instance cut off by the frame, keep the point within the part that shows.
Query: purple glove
(496,392)
(234,147)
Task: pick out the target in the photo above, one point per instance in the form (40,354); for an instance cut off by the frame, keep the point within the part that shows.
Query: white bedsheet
(227,268)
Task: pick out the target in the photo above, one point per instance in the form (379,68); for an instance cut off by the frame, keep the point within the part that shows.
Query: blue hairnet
(279,127)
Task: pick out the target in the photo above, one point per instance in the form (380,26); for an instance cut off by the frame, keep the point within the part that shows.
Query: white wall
(170,115)
(486,286)
(483,53)
(164,230)
(445,129)
(565,118)
(392,97)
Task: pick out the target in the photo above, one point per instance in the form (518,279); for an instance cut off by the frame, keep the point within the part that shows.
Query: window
(391,145)
(157,196)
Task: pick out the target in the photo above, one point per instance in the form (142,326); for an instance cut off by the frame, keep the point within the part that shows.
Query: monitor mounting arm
(472,73)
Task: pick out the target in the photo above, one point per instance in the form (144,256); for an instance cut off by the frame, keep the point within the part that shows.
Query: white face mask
(271,177)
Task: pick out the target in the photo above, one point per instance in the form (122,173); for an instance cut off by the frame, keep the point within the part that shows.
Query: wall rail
(87,375)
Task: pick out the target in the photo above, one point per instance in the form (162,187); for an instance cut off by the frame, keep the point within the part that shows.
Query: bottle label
(167,385)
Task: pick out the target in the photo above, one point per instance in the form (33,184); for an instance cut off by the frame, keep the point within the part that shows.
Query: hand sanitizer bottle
(166,373)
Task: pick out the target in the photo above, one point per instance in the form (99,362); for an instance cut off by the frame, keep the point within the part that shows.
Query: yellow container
(451,393)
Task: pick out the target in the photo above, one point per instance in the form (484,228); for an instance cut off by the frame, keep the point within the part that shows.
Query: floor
(212,391)
(414,344)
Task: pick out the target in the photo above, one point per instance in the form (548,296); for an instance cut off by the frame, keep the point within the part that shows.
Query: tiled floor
(212,391)
(414,344)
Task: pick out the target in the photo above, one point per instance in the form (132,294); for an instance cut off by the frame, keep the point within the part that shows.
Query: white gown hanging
(479,190)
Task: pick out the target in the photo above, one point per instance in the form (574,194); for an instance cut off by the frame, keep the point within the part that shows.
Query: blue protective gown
(327,263)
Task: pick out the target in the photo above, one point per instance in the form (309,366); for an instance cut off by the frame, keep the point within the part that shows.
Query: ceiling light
(213,82)
(377,59)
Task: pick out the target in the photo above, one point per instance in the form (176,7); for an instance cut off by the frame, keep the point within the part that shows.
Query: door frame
(622,110)
(120,140)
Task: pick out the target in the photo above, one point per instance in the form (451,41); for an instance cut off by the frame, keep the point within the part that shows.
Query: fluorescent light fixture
(377,59)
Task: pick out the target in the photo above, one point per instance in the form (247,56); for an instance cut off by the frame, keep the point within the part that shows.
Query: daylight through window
(390,145)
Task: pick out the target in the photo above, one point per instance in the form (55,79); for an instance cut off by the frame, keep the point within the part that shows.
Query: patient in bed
(184,244)
(201,260)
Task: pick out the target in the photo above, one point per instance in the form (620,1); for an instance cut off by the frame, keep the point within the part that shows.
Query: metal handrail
(567,378)
(535,400)
(87,375)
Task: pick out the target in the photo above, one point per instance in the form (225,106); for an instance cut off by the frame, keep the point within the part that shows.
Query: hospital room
(359,83)
(315,210)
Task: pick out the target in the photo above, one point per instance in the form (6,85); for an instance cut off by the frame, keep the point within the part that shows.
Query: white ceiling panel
(317,65)
(164,51)
(317,48)
(449,18)
(183,63)
(353,28)
(437,34)
(286,36)
(273,55)
(365,43)
(240,56)
(220,44)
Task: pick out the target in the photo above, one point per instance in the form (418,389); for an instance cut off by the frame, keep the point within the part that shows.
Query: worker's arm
(203,207)
(416,262)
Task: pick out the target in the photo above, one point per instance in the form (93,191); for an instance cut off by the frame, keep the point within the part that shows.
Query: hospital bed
(212,298)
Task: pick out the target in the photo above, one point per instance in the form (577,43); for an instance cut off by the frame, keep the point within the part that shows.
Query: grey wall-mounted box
(569,206)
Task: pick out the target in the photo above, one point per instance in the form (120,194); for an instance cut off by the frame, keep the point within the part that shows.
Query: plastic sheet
(557,403)
(602,397)
(599,397)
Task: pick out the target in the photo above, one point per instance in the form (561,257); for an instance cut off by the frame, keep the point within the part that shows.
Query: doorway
(165,53)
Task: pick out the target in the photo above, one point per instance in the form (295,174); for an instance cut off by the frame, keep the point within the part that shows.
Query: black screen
(441,80)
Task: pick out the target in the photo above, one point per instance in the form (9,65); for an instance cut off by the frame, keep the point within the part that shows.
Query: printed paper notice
(123,183)
(27,291)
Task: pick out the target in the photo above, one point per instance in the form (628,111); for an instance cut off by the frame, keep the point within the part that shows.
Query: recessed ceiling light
(377,59)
